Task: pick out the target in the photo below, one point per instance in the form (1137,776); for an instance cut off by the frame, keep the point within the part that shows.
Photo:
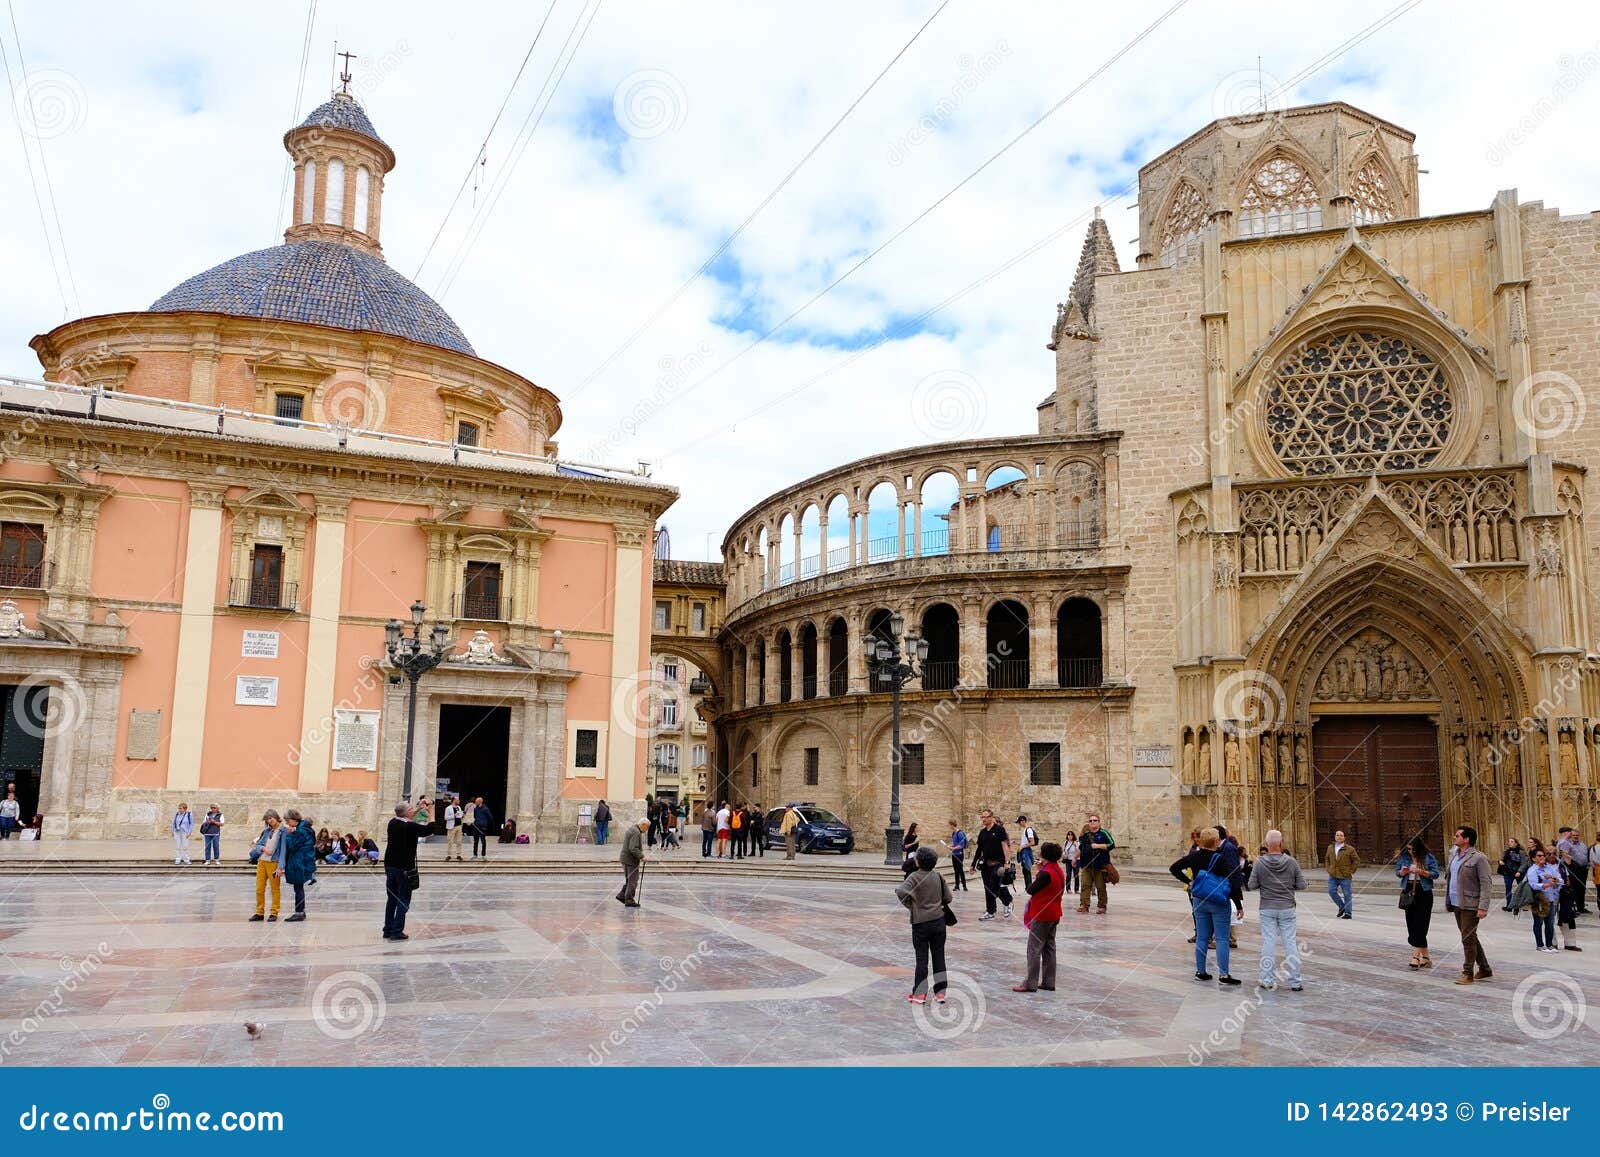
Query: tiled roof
(342,112)
(322,283)
(701,574)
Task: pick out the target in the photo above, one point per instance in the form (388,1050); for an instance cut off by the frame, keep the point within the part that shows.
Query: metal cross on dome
(344,77)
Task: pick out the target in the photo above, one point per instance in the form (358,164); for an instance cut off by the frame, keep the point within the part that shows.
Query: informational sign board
(1152,766)
(355,739)
(256,691)
(259,645)
(144,734)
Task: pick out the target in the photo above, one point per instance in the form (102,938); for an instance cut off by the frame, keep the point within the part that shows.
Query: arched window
(1356,403)
(1186,217)
(940,501)
(333,202)
(1078,644)
(1369,194)
(761,672)
(786,573)
(785,645)
(838,657)
(1280,198)
(808,661)
(882,531)
(810,542)
(308,193)
(363,183)
(941,626)
(1008,645)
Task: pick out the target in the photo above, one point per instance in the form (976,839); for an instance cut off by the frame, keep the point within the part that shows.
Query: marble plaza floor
(523,970)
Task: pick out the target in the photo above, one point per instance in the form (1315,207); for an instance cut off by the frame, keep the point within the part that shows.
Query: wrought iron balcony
(263,594)
(482,608)
(1079,672)
(33,576)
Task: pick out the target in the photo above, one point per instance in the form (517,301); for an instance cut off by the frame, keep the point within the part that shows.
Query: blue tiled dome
(342,112)
(323,283)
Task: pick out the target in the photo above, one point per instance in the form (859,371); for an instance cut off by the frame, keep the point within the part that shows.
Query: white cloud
(176,165)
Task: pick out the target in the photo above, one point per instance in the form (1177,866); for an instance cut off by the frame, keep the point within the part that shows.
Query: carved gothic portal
(1411,695)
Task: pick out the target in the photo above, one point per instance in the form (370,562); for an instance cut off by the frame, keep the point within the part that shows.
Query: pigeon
(253,1029)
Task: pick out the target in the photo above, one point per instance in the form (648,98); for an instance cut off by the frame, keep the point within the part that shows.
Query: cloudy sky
(160,126)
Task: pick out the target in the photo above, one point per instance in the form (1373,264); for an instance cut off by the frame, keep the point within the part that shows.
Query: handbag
(1408,894)
(1112,875)
(949,916)
(413,878)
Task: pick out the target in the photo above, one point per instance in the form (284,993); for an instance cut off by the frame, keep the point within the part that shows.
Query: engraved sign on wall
(355,739)
(144,734)
(256,691)
(1152,766)
(259,645)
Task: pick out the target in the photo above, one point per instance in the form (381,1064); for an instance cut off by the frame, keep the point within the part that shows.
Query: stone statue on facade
(480,651)
(1269,758)
(12,625)
(1302,762)
(1461,762)
(1188,759)
(1230,759)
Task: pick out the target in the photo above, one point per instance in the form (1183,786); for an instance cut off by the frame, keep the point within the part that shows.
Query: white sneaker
(1008,912)
(988,916)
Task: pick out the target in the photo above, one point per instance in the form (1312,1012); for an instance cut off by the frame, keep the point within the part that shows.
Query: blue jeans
(1278,924)
(397,883)
(1071,873)
(213,846)
(1544,928)
(1342,894)
(600,831)
(7,825)
(1212,919)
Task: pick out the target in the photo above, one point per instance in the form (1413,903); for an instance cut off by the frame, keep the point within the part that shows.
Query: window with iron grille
(813,765)
(588,748)
(266,576)
(480,594)
(1044,764)
(466,434)
(912,767)
(288,407)
(21,554)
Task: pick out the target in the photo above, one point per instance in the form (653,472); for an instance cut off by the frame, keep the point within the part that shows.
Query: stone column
(1042,671)
(856,661)
(822,542)
(629,655)
(192,682)
(322,646)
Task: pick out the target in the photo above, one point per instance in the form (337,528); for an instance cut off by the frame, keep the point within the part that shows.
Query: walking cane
(638,891)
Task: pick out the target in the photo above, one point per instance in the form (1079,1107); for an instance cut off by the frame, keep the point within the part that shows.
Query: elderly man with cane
(632,860)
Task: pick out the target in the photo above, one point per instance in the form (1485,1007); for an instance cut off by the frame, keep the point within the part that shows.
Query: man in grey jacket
(1277,876)
(632,860)
(1467,890)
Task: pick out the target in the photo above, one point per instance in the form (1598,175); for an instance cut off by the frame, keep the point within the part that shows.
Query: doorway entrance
(1377,780)
(23,715)
(474,755)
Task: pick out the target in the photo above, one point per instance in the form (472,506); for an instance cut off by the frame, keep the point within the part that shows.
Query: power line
(957,187)
(478,156)
(1054,235)
(525,137)
(754,213)
(294,115)
(44,167)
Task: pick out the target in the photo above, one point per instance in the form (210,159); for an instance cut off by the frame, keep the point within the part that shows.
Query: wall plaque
(256,691)
(355,740)
(144,734)
(259,645)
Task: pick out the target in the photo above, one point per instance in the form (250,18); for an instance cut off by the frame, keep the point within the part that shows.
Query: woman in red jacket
(1041,916)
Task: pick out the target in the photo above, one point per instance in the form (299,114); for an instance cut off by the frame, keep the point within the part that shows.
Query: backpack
(738,820)
(1207,886)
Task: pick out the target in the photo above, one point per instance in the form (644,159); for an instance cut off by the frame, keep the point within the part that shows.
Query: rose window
(1357,403)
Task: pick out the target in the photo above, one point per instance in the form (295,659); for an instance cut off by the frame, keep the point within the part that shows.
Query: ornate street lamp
(414,657)
(888,664)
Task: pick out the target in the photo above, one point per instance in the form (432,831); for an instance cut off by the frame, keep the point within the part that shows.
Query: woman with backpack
(1207,871)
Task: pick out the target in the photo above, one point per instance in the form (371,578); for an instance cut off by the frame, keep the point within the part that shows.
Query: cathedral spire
(339,166)
(1099,256)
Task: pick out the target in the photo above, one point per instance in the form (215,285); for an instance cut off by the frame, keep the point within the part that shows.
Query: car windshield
(817,815)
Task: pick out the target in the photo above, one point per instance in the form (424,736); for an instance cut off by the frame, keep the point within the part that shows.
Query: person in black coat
(399,870)
(482,825)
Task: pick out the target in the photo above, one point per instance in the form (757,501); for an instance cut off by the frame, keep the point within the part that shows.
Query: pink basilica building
(210,510)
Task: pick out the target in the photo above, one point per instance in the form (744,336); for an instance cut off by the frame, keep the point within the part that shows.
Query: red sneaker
(919,998)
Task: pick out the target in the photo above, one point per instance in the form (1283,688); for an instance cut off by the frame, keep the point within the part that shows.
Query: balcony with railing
(1008,674)
(263,594)
(25,575)
(481,607)
(1079,672)
(940,675)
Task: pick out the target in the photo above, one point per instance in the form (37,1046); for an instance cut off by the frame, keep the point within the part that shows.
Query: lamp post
(414,657)
(889,663)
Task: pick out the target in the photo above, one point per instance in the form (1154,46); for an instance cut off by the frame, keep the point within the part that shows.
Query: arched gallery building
(1300,542)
